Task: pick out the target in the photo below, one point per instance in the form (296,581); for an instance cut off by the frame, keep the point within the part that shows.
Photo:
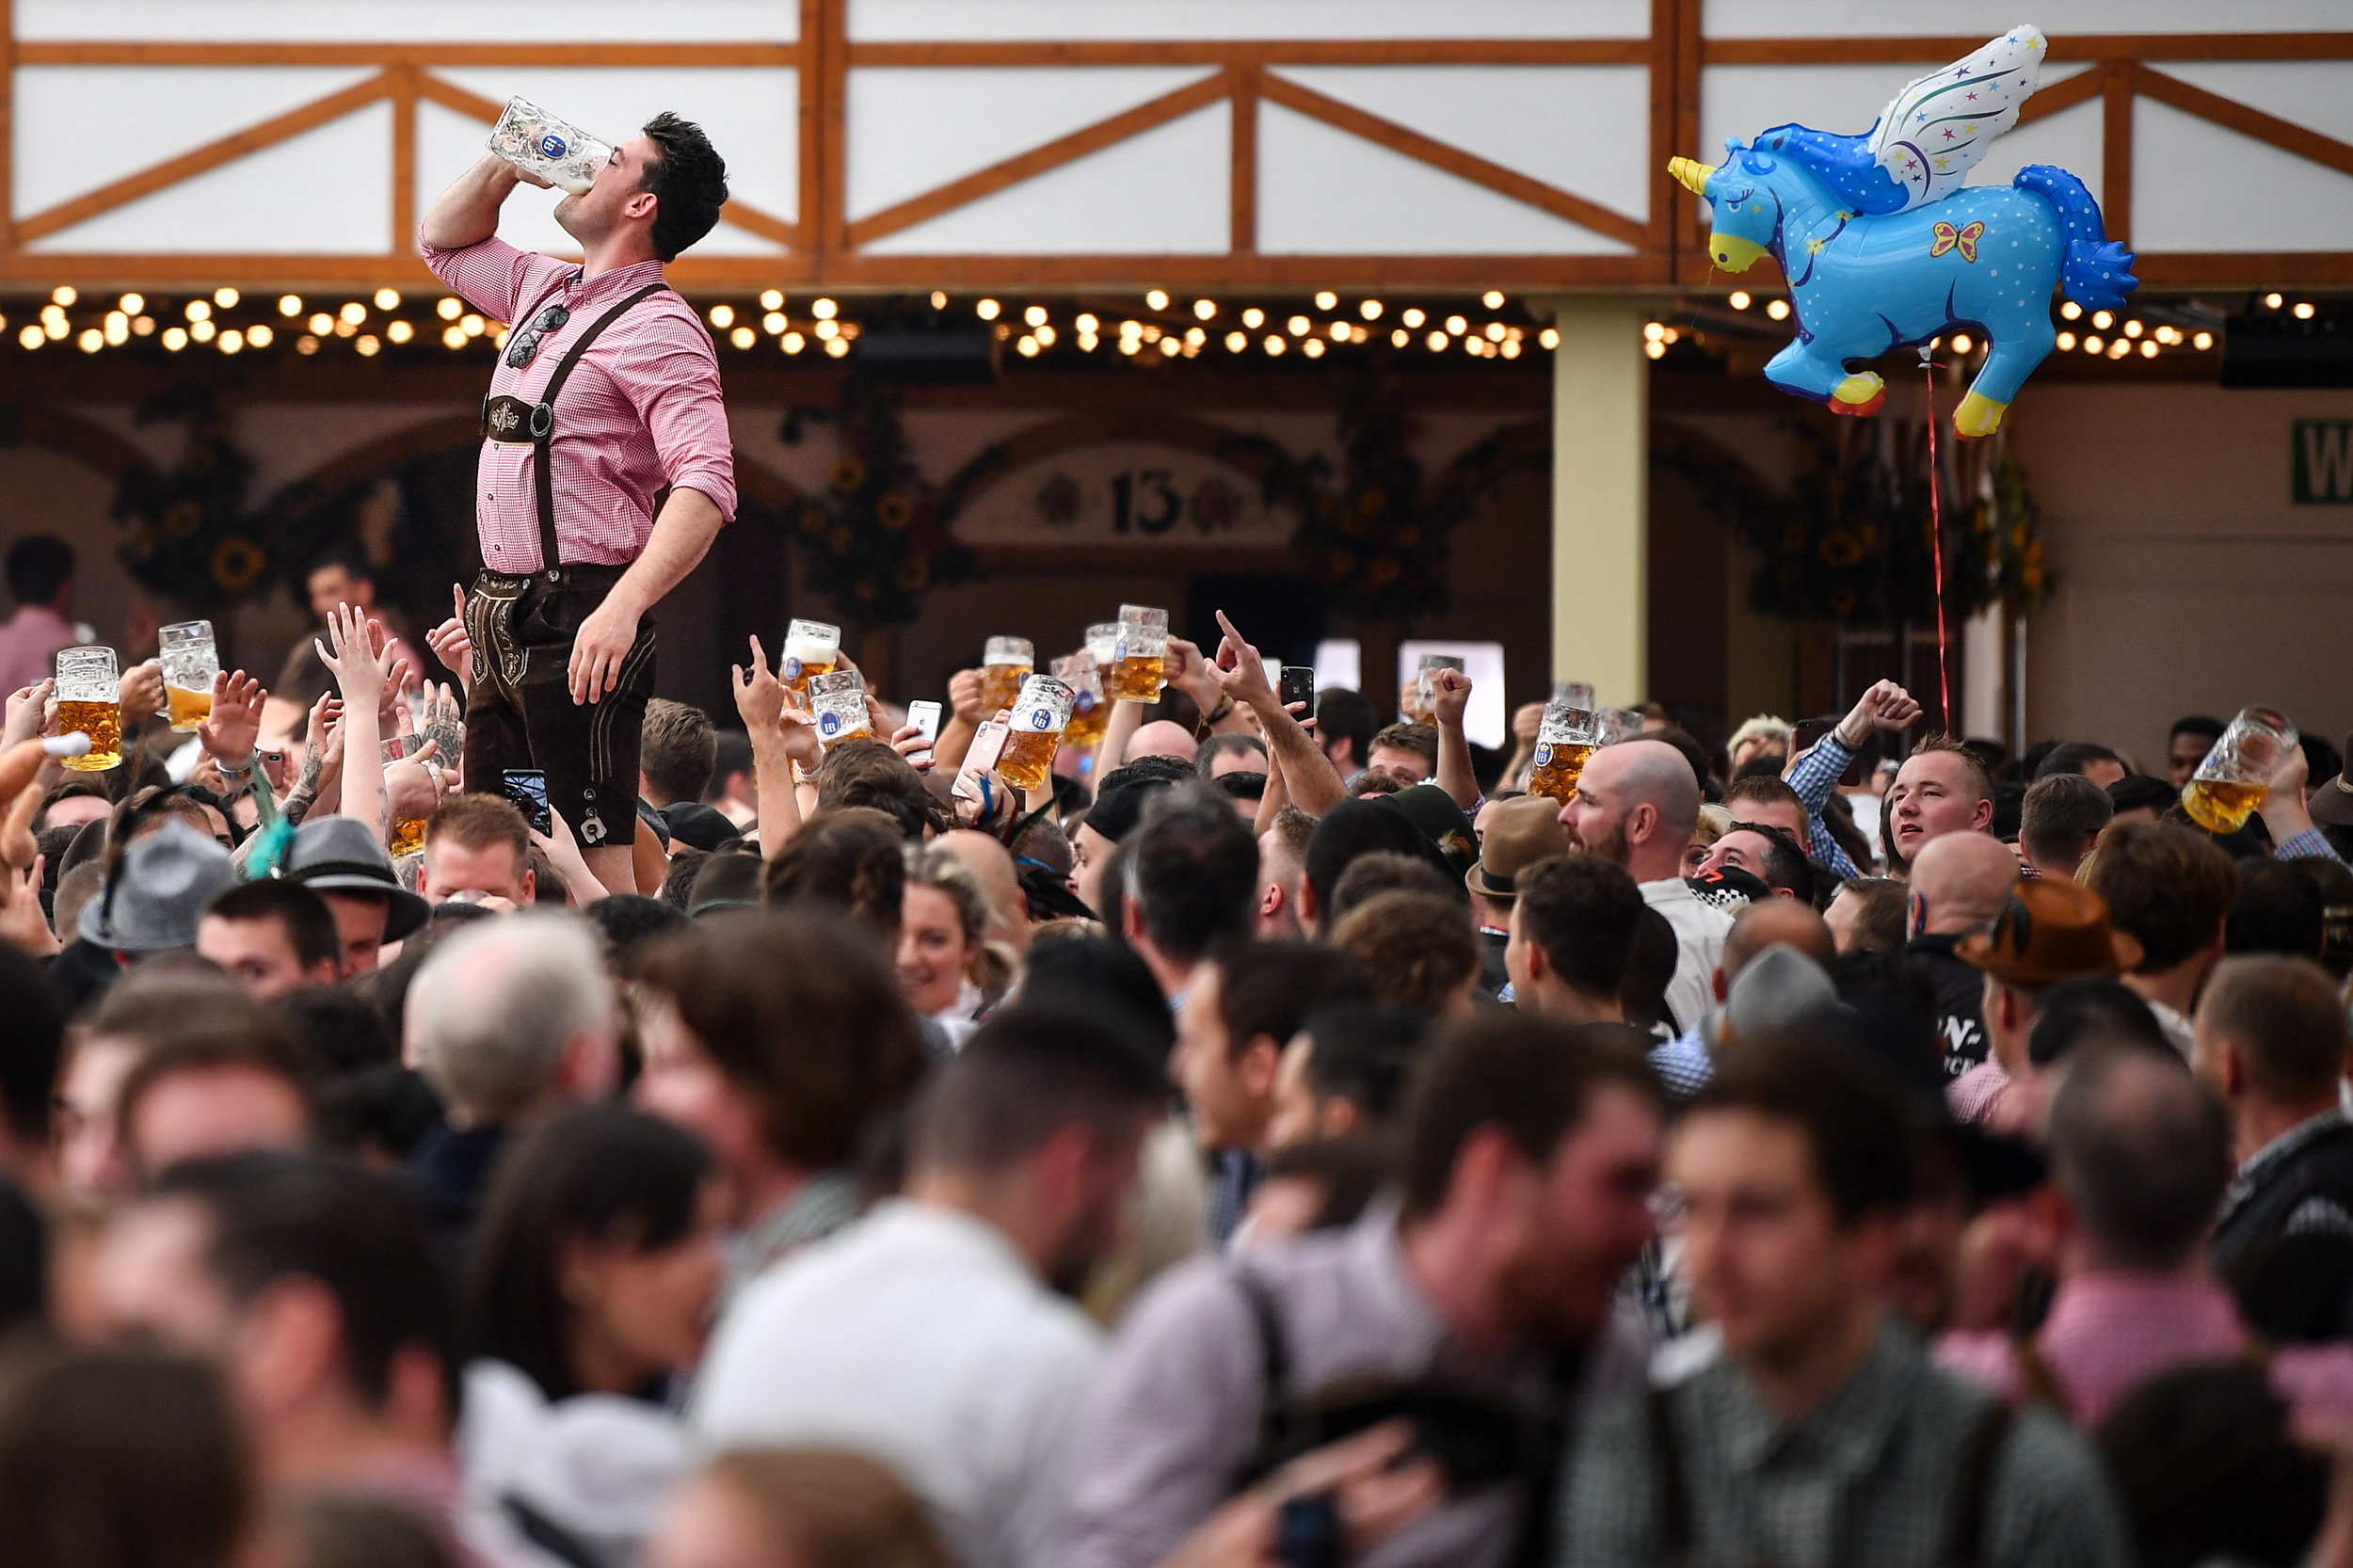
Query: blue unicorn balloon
(1882,245)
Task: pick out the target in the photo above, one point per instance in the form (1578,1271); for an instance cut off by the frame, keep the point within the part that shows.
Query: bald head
(1777,922)
(991,865)
(1636,803)
(1963,879)
(1160,737)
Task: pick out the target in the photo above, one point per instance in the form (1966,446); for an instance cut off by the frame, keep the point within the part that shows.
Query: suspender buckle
(542,420)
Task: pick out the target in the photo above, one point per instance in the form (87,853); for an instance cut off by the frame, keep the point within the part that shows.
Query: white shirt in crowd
(597,1465)
(1700,929)
(921,1336)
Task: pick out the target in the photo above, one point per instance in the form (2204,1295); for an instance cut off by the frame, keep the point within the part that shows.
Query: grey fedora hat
(159,891)
(338,854)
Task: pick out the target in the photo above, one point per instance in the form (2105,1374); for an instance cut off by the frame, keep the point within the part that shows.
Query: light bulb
(1205,309)
(1157,300)
(1326,299)
(1739,300)
(772,299)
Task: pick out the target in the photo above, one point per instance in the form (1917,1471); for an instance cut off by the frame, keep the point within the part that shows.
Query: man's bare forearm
(468,212)
(682,536)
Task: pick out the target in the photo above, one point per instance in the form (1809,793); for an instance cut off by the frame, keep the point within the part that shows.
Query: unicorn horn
(1692,174)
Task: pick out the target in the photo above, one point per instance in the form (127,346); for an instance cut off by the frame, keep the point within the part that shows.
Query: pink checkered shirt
(642,409)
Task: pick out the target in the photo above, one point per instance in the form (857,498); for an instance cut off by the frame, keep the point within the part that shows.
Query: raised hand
(1450,694)
(452,644)
(759,694)
(964,696)
(445,723)
(141,694)
(228,731)
(362,667)
(1240,671)
(26,706)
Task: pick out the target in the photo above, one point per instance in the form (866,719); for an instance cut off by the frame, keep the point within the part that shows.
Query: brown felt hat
(2331,799)
(1520,832)
(2050,930)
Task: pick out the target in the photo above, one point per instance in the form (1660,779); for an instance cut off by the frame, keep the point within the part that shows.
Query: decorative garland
(876,535)
(191,542)
(2005,533)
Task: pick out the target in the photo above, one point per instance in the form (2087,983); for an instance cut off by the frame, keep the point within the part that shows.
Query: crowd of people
(1280,1138)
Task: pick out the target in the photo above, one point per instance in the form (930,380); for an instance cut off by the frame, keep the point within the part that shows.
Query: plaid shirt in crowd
(1872,1476)
(1814,775)
(642,409)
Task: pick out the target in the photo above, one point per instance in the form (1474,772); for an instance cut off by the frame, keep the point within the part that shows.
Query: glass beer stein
(190,661)
(1090,715)
(1003,667)
(811,648)
(89,702)
(1138,654)
(1420,702)
(1040,713)
(535,141)
(2232,782)
(1565,739)
(837,702)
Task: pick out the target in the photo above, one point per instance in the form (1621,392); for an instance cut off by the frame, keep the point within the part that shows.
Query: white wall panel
(2316,94)
(2197,187)
(871,20)
(1324,192)
(1164,192)
(1582,128)
(468,21)
(752,114)
(2070,138)
(324,192)
(1900,18)
(80,127)
(911,130)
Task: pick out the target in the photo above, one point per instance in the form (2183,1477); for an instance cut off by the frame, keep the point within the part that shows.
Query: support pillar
(1600,495)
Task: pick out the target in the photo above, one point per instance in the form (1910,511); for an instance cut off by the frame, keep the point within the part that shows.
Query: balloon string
(1936,538)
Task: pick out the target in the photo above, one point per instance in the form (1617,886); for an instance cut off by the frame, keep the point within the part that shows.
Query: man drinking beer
(606,469)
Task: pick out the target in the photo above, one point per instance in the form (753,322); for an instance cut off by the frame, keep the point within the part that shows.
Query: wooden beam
(810,119)
(1660,232)
(403,157)
(2116,149)
(7,124)
(1241,188)
(212,156)
(830,231)
(1687,241)
(1037,160)
(2061,96)
(2075,46)
(1633,51)
(2231,114)
(109,52)
(2249,269)
(1454,161)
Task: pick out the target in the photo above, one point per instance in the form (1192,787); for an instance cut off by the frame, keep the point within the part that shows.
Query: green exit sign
(2323,461)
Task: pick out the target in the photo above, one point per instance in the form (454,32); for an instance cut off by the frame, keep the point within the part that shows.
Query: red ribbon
(1936,538)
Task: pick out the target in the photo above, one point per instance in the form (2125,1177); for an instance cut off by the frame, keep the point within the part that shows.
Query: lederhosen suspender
(508,419)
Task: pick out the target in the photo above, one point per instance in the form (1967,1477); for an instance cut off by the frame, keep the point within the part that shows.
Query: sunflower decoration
(189,539)
(877,535)
(2005,536)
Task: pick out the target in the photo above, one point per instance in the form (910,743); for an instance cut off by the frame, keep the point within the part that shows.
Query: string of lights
(1163,330)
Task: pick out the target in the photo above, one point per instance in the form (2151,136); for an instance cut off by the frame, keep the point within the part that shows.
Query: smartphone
(924,715)
(1297,683)
(1307,1532)
(528,789)
(988,743)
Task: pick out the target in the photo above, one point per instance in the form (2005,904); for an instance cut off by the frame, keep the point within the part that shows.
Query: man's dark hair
(1765,765)
(1024,1076)
(2285,1019)
(356,1232)
(1883,921)
(628,924)
(335,1030)
(1364,1054)
(2209,1471)
(2142,1152)
(1584,912)
(2169,889)
(1764,789)
(2072,757)
(1785,865)
(1853,1120)
(1345,716)
(1205,756)
(853,861)
(1385,871)
(2092,1010)
(348,558)
(872,773)
(2063,810)
(1351,829)
(2203,725)
(38,566)
(1194,880)
(2279,908)
(216,1040)
(1420,739)
(1649,968)
(2136,791)
(35,1045)
(596,1175)
(301,914)
(804,1016)
(1419,949)
(1271,988)
(689,180)
(1106,980)
(730,754)
(677,747)
(1531,1077)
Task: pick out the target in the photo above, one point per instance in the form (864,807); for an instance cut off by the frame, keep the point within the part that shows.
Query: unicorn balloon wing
(1933,133)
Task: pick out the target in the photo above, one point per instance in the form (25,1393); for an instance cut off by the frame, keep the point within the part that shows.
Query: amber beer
(408,837)
(838,703)
(1564,742)
(1007,664)
(1039,717)
(89,702)
(1090,713)
(1138,656)
(187,709)
(2236,773)
(186,651)
(811,648)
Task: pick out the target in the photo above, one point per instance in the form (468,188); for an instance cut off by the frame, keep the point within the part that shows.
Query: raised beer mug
(838,703)
(190,660)
(1567,738)
(1420,702)
(2236,773)
(811,648)
(1004,667)
(535,141)
(89,702)
(1090,715)
(1033,733)
(1137,656)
